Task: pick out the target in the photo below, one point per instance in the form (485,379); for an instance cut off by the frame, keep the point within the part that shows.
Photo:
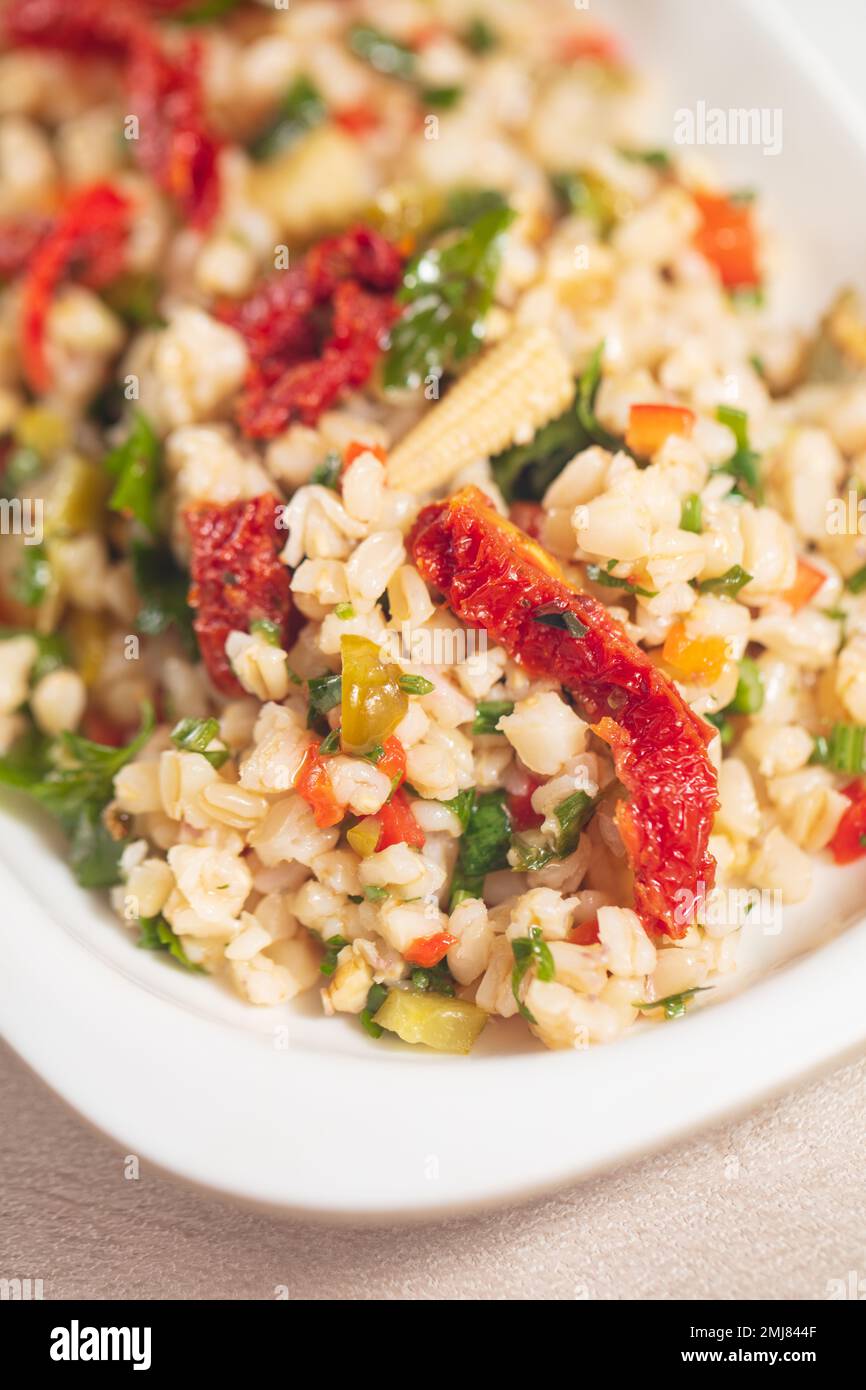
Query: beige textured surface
(771,1207)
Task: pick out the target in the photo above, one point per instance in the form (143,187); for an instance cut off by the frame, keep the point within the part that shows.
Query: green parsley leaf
(447,291)
(441,98)
(587,392)
(691,516)
(674,1005)
(385,54)
(461,805)
(375,999)
(488,713)
(344,611)
(331,742)
(843,750)
(301,110)
(327,473)
(479,36)
(527,470)
(749,696)
(135,465)
(157,935)
(335,945)
(133,296)
(374,894)
(196,735)
(551,616)
(573,815)
(268,630)
(856,583)
(434,979)
(656,159)
(415,685)
(731,582)
(33,577)
(326,692)
(610,581)
(483,847)
(530,950)
(162,587)
(743,463)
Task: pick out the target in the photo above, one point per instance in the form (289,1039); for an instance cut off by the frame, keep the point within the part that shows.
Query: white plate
(304,1113)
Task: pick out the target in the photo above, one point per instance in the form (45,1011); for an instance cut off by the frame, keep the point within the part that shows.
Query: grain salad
(431,572)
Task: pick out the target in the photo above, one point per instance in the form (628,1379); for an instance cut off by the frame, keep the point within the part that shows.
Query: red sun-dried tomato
(298,367)
(163,89)
(20,238)
(237,578)
(87,243)
(495,577)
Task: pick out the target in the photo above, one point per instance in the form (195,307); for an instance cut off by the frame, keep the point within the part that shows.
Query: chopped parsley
(483,847)
(551,616)
(743,463)
(488,714)
(530,950)
(334,946)
(300,111)
(415,685)
(196,735)
(135,466)
(611,581)
(730,583)
(327,473)
(155,934)
(674,1005)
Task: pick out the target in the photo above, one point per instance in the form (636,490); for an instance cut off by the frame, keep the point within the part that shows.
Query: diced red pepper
(650,425)
(494,577)
(808,581)
(584,933)
(163,89)
(393,760)
(357,447)
(237,578)
(298,367)
(428,951)
(314,785)
(87,241)
(357,120)
(849,841)
(520,809)
(590,45)
(727,238)
(399,826)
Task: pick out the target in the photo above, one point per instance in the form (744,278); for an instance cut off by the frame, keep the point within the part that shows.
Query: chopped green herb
(483,847)
(23,464)
(527,857)
(373,754)
(196,736)
(374,894)
(375,999)
(32,579)
(157,935)
(749,697)
(856,583)
(73,778)
(135,466)
(530,950)
(344,611)
(133,296)
(674,1005)
(433,979)
(730,583)
(527,470)
(335,945)
(300,111)
(479,36)
(726,729)
(573,814)
(743,463)
(327,473)
(447,291)
(325,692)
(758,363)
(441,98)
(385,54)
(843,750)
(331,742)
(488,714)
(587,392)
(268,630)
(656,159)
(415,685)
(610,581)
(691,516)
(588,196)
(551,616)
(162,587)
(461,805)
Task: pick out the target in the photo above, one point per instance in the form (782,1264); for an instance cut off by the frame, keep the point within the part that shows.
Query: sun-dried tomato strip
(20,238)
(298,367)
(237,578)
(495,577)
(87,242)
(163,89)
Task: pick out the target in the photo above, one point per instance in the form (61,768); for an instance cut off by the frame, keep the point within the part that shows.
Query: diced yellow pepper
(373,703)
(364,836)
(88,635)
(76,501)
(448,1025)
(42,430)
(700,660)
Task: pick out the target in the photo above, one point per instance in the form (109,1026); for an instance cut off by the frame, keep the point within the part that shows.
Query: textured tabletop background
(771,1207)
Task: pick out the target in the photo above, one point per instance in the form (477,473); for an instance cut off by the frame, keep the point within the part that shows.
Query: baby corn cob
(517,387)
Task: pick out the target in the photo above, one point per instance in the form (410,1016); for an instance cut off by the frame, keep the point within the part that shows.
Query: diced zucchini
(76,501)
(448,1025)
